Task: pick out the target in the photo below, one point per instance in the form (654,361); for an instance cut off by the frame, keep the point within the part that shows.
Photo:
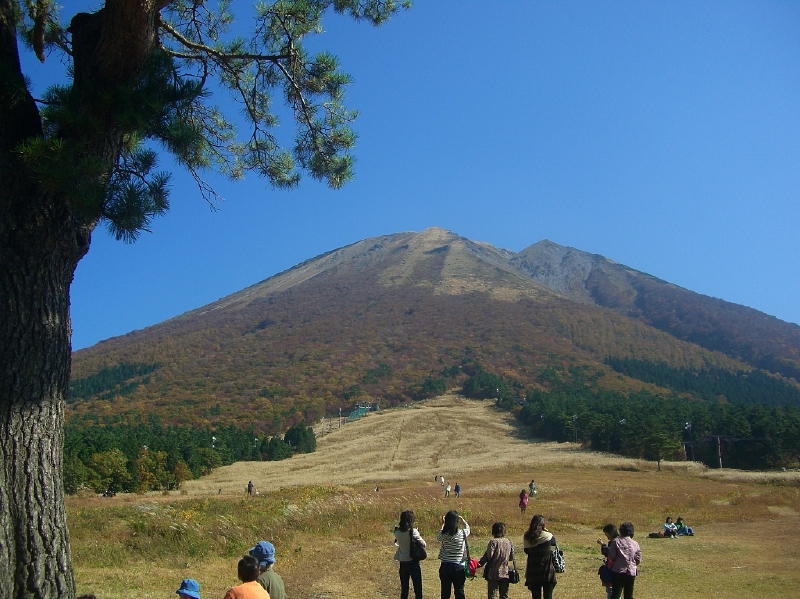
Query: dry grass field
(332,529)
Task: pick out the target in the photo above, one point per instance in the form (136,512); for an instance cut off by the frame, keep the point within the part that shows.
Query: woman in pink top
(523,501)
(625,556)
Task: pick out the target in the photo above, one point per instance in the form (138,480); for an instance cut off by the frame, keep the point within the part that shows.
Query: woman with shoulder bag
(498,552)
(409,568)
(452,554)
(540,573)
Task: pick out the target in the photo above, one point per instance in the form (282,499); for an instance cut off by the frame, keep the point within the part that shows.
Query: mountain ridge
(411,306)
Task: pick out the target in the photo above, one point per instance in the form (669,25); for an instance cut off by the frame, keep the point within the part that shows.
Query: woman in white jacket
(409,569)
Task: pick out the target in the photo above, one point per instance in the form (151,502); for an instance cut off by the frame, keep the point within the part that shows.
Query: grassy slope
(333,531)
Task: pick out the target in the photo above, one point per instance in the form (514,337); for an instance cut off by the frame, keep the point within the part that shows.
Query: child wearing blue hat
(264,552)
(189,588)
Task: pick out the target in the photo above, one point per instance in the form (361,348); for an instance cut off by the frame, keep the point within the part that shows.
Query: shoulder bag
(513,574)
(558,560)
(415,549)
(471,565)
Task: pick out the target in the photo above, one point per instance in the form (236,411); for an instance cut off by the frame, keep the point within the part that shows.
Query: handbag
(513,574)
(558,561)
(605,574)
(471,565)
(416,551)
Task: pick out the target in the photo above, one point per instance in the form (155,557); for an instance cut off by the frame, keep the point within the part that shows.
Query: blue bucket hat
(189,587)
(264,552)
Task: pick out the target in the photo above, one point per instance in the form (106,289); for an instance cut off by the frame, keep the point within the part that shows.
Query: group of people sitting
(673,530)
(259,580)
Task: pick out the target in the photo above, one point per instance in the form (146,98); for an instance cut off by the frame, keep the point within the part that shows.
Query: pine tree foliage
(168,104)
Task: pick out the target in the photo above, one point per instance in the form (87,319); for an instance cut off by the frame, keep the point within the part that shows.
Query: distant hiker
(625,555)
(606,576)
(523,501)
(447,490)
(683,530)
(442,480)
(219,492)
(250,588)
(376,488)
(264,552)
(457,489)
(540,573)
(250,487)
(452,554)
(531,488)
(189,589)
(409,569)
(498,552)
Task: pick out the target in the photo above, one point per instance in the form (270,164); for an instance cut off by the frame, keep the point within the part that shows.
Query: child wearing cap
(190,588)
(264,552)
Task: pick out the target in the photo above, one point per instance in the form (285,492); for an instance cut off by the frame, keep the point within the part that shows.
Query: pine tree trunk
(42,240)
(34,374)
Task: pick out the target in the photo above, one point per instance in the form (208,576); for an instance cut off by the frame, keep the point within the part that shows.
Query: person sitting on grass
(190,589)
(248,574)
(670,530)
(264,552)
(682,529)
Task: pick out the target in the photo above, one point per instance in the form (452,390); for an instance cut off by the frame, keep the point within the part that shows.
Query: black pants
(410,570)
(451,574)
(542,590)
(622,583)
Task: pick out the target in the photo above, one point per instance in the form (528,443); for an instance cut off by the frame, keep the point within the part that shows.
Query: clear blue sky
(662,135)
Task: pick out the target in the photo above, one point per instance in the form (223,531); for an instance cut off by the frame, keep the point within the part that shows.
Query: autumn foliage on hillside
(345,337)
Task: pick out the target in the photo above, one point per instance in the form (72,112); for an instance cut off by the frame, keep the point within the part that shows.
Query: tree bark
(41,243)
(42,240)
(39,254)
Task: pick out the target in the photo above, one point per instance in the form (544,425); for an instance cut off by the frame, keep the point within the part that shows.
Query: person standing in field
(447,490)
(269,579)
(531,488)
(498,552)
(452,554)
(409,569)
(248,574)
(540,573)
(523,501)
(250,487)
(606,576)
(457,489)
(625,556)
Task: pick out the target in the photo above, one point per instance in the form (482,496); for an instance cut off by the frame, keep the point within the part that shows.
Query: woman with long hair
(452,554)
(540,573)
(498,552)
(409,568)
(523,501)
(625,555)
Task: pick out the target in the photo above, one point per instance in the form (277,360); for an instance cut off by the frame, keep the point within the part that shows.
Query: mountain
(743,333)
(397,316)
